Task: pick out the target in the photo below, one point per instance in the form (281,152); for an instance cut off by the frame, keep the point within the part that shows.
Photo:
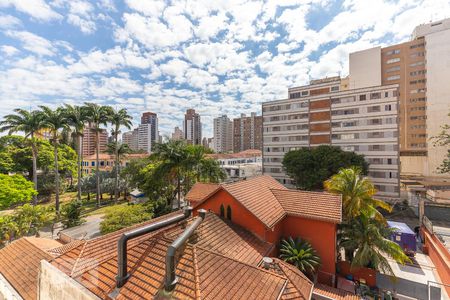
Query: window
(229,212)
(294,95)
(396,51)
(362,97)
(371,109)
(388,107)
(386,94)
(393,60)
(419,63)
(393,69)
(394,77)
(305,93)
(375,96)
(222,211)
(93,163)
(389,161)
(334,88)
(349,124)
(416,46)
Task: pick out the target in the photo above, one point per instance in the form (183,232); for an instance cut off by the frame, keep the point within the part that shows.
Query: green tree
(118,119)
(77,117)
(97,116)
(119,151)
(119,217)
(443,140)
(357,194)
(311,167)
(15,189)
(71,214)
(29,123)
(366,242)
(27,220)
(301,254)
(55,121)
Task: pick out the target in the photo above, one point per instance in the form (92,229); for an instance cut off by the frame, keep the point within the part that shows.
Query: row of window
(364,122)
(286,117)
(419,99)
(418,145)
(287,128)
(296,95)
(417,46)
(419,135)
(365,135)
(393,60)
(418,108)
(419,72)
(418,81)
(362,148)
(417,54)
(294,138)
(380,174)
(423,90)
(393,69)
(418,63)
(386,188)
(418,118)
(370,109)
(393,77)
(420,126)
(382,161)
(395,51)
(101,163)
(286,106)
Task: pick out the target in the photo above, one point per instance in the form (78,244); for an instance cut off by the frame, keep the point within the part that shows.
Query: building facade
(247,132)
(362,120)
(241,165)
(152,119)
(419,67)
(90,143)
(223,134)
(177,134)
(145,141)
(192,127)
(106,161)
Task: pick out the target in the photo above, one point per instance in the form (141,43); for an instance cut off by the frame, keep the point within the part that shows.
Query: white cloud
(37,9)
(175,67)
(9,50)
(7,21)
(153,8)
(33,43)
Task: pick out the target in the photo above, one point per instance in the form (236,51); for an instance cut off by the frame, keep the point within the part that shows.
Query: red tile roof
(313,205)
(270,201)
(220,261)
(334,293)
(255,195)
(19,264)
(201,191)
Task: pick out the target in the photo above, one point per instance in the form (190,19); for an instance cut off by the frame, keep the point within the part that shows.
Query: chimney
(267,262)
(170,280)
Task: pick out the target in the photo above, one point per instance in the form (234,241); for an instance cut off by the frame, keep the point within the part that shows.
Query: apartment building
(247,132)
(192,127)
(145,141)
(107,161)
(363,120)
(152,119)
(421,68)
(90,143)
(223,134)
(177,134)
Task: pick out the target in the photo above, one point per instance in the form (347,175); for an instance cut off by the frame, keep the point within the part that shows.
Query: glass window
(393,60)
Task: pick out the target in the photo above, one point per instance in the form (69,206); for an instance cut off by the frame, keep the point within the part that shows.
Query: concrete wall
(365,68)
(7,292)
(56,285)
(438,94)
(413,165)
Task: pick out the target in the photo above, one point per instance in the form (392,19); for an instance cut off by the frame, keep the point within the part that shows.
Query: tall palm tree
(301,254)
(97,115)
(173,156)
(118,118)
(29,123)
(366,242)
(55,121)
(357,194)
(76,116)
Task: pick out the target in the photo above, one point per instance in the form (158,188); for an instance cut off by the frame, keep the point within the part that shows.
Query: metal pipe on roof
(170,278)
(122,262)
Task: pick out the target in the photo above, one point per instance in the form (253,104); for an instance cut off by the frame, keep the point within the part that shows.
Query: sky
(216,56)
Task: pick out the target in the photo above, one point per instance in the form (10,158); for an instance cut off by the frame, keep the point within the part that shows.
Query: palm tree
(29,123)
(366,243)
(301,254)
(173,157)
(97,115)
(55,121)
(76,116)
(357,194)
(119,150)
(118,118)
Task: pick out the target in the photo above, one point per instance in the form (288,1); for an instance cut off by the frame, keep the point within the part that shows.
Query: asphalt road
(87,230)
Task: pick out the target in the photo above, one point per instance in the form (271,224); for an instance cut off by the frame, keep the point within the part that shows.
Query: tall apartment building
(421,68)
(223,134)
(89,141)
(145,141)
(177,134)
(326,112)
(131,139)
(192,127)
(152,119)
(247,132)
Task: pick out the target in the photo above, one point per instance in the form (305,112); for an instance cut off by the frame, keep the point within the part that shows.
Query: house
(244,164)
(106,161)
(269,210)
(218,259)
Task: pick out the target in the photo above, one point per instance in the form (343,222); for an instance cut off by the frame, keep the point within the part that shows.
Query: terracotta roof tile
(312,205)
(255,194)
(334,293)
(201,191)
(19,264)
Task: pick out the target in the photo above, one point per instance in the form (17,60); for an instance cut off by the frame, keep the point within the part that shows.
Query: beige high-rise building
(421,68)
(223,134)
(192,127)
(326,112)
(247,133)
(177,134)
(89,141)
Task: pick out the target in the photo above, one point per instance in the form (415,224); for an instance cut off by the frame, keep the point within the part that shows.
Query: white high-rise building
(145,137)
(223,134)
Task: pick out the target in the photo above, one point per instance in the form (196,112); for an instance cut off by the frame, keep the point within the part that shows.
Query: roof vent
(267,262)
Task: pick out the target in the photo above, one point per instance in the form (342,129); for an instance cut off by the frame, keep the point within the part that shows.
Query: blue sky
(219,57)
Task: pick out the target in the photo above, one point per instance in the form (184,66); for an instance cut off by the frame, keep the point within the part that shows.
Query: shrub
(301,254)
(71,214)
(119,217)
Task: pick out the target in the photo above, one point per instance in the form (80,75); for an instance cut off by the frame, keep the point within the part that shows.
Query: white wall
(7,292)
(365,68)
(56,285)
(438,93)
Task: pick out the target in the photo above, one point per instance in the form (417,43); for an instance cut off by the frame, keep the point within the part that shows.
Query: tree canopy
(311,167)
(15,189)
(443,140)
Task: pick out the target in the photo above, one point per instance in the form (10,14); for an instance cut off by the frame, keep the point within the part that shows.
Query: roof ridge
(78,258)
(241,262)
(306,192)
(196,274)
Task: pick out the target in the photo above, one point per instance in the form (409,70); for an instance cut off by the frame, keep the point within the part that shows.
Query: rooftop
(107,156)
(243,154)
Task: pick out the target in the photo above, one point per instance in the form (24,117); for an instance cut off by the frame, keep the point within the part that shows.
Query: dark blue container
(403,236)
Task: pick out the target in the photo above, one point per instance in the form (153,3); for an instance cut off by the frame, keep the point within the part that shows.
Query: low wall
(56,285)
(439,255)
(369,275)
(7,292)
